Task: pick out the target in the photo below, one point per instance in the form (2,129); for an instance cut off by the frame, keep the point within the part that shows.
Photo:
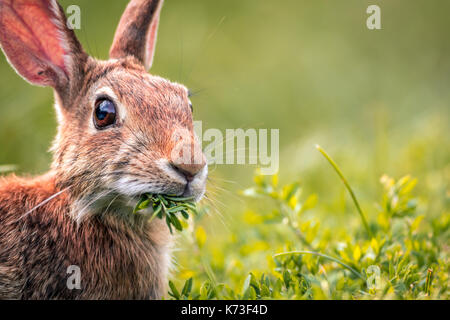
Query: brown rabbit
(118,137)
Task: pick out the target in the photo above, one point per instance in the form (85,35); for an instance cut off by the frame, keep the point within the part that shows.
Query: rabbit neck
(89,198)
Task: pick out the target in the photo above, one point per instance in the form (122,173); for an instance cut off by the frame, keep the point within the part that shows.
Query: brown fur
(80,213)
(129,40)
(118,259)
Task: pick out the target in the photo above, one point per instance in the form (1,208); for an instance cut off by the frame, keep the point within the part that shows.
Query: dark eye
(104,114)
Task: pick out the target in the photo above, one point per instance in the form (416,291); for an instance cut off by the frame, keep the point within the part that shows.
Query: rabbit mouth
(169,181)
(121,194)
(131,190)
(122,198)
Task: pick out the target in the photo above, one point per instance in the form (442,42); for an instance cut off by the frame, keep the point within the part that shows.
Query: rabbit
(119,135)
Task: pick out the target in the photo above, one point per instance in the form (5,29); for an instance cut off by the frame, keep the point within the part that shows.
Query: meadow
(366,216)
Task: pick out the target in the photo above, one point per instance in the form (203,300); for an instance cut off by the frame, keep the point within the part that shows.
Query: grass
(398,253)
(168,207)
(349,188)
(323,256)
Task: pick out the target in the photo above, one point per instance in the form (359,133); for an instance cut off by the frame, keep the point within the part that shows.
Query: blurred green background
(378,101)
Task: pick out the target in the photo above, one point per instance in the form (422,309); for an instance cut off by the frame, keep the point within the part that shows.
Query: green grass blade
(323,256)
(156,212)
(428,282)
(349,188)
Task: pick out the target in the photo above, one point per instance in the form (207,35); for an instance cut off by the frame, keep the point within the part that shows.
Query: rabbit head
(122,132)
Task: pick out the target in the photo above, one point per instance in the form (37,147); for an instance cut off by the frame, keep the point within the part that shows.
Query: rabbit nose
(189,170)
(186,157)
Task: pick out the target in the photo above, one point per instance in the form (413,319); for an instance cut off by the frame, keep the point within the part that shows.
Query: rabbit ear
(136,34)
(37,42)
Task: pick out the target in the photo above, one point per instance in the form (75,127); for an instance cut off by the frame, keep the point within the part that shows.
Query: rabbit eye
(104,114)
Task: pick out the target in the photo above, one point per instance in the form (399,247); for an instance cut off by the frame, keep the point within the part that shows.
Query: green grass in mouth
(167,207)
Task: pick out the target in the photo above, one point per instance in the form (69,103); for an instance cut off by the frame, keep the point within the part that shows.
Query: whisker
(221,179)
(203,47)
(109,205)
(219,214)
(65,189)
(98,197)
(44,202)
